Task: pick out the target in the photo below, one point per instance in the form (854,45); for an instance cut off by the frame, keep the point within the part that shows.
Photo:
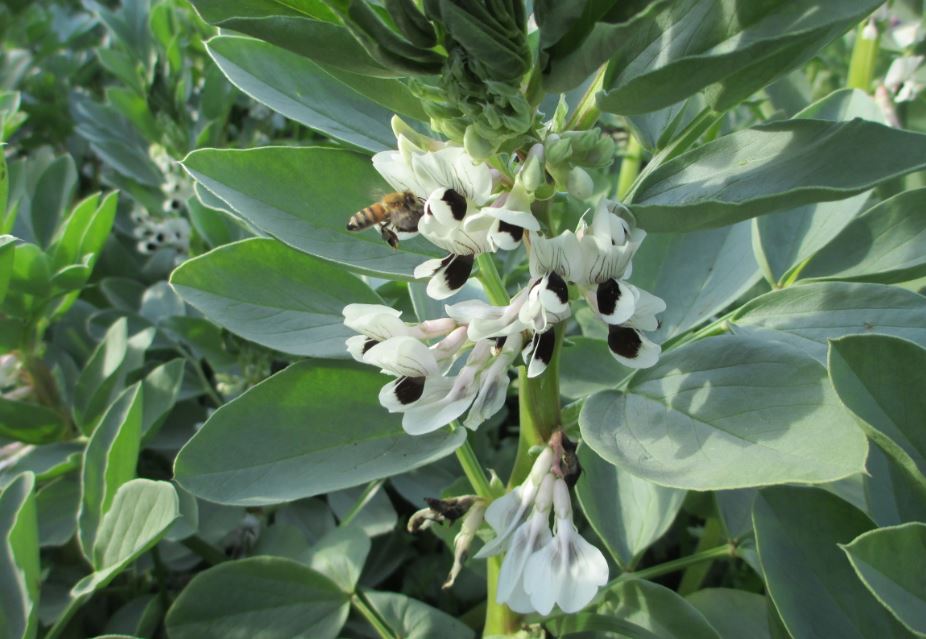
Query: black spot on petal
(457,270)
(557,285)
(516,232)
(409,389)
(624,341)
(544,344)
(609,292)
(456,202)
(367,345)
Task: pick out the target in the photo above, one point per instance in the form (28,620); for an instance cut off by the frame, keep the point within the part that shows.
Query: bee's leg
(389,236)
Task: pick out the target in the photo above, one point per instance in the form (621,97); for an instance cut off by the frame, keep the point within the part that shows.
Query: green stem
(491,280)
(473,469)
(500,619)
(207,385)
(368,493)
(676,564)
(694,575)
(586,114)
(206,551)
(359,602)
(65,618)
(630,167)
(539,407)
(862,64)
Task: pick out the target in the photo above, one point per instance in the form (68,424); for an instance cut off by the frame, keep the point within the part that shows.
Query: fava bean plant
(463,318)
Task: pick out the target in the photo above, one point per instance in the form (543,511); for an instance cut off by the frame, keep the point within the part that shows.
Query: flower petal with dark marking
(408,389)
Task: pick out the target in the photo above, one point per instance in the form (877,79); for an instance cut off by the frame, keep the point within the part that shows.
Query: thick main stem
(539,407)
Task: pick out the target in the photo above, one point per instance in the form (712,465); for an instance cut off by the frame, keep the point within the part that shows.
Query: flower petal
(392,166)
(615,301)
(403,356)
(450,276)
(539,352)
(631,348)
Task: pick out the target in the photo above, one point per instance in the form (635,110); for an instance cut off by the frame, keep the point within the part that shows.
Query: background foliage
(186,451)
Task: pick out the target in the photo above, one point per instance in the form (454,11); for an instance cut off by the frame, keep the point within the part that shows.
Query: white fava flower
(508,512)
(377,323)
(901,78)
(493,386)
(528,538)
(567,571)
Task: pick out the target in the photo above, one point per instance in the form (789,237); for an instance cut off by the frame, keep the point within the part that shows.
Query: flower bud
(476,146)
(531,175)
(542,465)
(562,504)
(544,499)
(580,184)
(558,152)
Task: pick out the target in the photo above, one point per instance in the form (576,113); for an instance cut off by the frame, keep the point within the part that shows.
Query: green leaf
(314,34)
(45,462)
(889,561)
(264,597)
(104,374)
(314,192)
(697,274)
(161,387)
(29,423)
(880,379)
(586,366)
(53,194)
(785,239)
(810,314)
(7,244)
(734,614)
(141,513)
(710,416)
(19,560)
(727,48)
(109,461)
(885,244)
(314,428)
(271,294)
(894,495)
(772,167)
(659,610)
(340,555)
(627,513)
(301,90)
(84,231)
(57,505)
(411,619)
(807,576)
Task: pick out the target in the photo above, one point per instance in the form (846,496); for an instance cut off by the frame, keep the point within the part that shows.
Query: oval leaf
(810,314)
(270,188)
(314,428)
(808,577)
(273,295)
(265,597)
(772,167)
(727,412)
(891,562)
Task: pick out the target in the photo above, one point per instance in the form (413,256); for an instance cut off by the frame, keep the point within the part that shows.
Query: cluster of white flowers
(154,234)
(542,569)
(471,209)
(425,389)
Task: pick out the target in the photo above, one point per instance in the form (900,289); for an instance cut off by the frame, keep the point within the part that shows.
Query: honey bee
(398,211)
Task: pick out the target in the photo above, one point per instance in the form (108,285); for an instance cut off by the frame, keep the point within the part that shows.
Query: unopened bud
(402,129)
(478,148)
(558,152)
(580,184)
(531,175)
(440,511)
(870,30)
(542,465)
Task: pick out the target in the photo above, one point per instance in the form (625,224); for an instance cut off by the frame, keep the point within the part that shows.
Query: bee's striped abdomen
(365,218)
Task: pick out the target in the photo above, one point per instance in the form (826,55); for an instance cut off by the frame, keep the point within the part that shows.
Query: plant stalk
(473,469)
(491,280)
(862,63)
(359,602)
(630,167)
(587,112)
